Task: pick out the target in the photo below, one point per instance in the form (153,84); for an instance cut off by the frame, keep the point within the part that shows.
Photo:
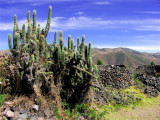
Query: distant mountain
(117,56)
(124,56)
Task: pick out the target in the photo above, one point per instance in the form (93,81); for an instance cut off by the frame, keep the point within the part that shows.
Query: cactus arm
(48,22)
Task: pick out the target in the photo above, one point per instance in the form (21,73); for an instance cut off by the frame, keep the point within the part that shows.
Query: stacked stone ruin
(150,76)
(116,76)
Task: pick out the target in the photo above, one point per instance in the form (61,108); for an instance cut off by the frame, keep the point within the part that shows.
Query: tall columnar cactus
(17,40)
(90,65)
(48,22)
(86,52)
(9,42)
(42,46)
(78,43)
(61,39)
(29,32)
(14,36)
(69,42)
(72,44)
(34,22)
(89,50)
(28,17)
(55,38)
(23,34)
(15,21)
(82,46)
(70,68)
(59,53)
(39,31)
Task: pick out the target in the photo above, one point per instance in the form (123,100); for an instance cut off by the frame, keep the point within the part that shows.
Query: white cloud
(83,23)
(79,13)
(102,3)
(32,1)
(150,12)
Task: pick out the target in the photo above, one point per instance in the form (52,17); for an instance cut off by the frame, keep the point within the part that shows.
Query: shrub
(99,62)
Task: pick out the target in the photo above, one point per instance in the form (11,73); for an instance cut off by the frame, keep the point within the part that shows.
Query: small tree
(152,63)
(99,62)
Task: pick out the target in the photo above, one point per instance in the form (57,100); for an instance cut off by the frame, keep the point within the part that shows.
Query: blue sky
(106,23)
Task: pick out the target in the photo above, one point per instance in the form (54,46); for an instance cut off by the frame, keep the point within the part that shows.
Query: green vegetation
(141,101)
(99,62)
(3,97)
(152,63)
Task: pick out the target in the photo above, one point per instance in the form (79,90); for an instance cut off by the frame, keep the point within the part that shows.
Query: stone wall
(116,76)
(149,75)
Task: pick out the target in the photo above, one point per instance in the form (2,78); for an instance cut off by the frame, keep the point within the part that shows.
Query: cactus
(34,22)
(69,42)
(35,58)
(78,43)
(9,42)
(32,58)
(17,40)
(90,65)
(48,22)
(15,20)
(29,32)
(72,44)
(86,52)
(89,51)
(38,31)
(23,34)
(28,17)
(59,53)
(55,38)
(14,36)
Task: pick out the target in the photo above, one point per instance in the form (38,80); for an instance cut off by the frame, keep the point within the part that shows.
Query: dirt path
(151,112)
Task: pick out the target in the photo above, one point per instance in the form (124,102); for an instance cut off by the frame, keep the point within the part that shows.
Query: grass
(145,102)
(3,97)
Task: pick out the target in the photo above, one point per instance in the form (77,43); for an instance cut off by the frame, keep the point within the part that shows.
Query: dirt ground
(151,112)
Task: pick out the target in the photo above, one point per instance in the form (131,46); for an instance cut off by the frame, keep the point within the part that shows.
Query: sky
(133,24)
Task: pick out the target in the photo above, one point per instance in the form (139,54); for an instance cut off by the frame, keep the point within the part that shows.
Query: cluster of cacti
(36,60)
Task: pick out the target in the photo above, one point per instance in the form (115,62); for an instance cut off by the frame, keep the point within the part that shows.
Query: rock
(35,107)
(54,118)
(16,115)
(33,118)
(81,118)
(7,109)
(23,116)
(47,113)
(9,114)
(40,118)
(22,111)
(9,103)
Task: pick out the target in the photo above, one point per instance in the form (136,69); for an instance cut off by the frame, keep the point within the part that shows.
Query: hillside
(124,56)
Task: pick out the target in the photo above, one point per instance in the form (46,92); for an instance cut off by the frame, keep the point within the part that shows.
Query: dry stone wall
(149,75)
(116,76)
